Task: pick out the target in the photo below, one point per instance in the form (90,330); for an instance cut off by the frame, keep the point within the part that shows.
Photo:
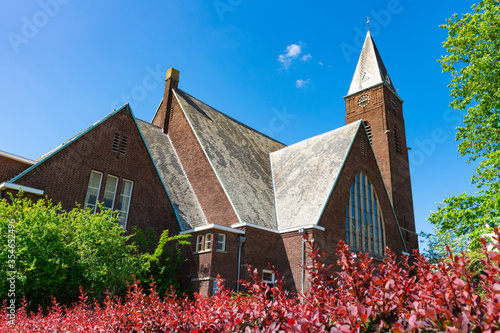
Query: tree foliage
(441,245)
(472,59)
(55,252)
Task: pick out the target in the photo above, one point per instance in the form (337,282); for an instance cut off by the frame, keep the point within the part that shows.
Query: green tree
(472,59)
(437,243)
(56,252)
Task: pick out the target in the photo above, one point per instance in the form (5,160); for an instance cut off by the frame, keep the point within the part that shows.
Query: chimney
(162,116)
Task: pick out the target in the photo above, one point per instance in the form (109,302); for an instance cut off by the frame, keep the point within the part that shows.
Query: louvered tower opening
(368,130)
(397,140)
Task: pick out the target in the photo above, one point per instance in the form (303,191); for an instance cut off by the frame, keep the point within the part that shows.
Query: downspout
(302,232)
(240,240)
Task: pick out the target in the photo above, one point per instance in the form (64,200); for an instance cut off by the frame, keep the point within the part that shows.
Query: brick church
(244,197)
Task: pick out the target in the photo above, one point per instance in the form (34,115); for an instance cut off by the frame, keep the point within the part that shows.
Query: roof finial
(368,23)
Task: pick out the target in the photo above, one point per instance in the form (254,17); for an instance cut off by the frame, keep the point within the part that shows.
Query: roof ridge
(231,118)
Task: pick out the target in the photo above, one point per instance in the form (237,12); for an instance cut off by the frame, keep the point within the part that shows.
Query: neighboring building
(244,197)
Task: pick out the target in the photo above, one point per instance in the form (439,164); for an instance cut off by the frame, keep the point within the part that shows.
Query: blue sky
(280,67)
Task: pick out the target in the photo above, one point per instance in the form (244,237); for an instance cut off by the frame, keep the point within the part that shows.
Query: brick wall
(204,181)
(10,168)
(64,176)
(394,166)
(334,216)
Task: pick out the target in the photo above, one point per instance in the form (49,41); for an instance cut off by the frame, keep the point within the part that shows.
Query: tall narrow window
(221,243)
(124,203)
(364,222)
(208,242)
(199,243)
(397,141)
(110,191)
(93,190)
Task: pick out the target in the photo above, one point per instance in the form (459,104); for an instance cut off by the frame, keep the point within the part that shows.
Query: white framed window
(364,221)
(199,243)
(221,243)
(268,277)
(208,242)
(93,190)
(110,192)
(124,203)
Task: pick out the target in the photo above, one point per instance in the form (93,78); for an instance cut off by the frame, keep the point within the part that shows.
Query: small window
(268,277)
(93,190)
(110,191)
(221,244)
(199,243)
(124,203)
(208,242)
(365,77)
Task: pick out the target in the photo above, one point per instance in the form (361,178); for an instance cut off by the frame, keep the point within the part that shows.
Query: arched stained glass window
(364,221)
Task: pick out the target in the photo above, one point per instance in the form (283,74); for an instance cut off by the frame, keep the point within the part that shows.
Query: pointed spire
(370,70)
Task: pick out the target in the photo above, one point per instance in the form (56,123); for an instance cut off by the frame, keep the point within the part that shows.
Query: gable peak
(370,70)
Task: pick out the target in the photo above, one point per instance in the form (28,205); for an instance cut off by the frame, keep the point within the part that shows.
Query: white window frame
(269,282)
(113,193)
(94,205)
(199,243)
(208,242)
(124,225)
(221,243)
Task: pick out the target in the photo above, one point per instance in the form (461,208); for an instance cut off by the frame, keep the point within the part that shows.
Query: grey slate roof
(185,202)
(370,69)
(304,175)
(240,158)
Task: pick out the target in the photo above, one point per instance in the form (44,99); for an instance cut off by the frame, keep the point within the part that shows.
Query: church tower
(373,99)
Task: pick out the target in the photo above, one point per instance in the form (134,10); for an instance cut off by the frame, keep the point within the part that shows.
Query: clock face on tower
(364,100)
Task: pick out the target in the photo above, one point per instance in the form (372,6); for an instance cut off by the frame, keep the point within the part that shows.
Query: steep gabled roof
(183,198)
(65,144)
(370,69)
(239,156)
(305,173)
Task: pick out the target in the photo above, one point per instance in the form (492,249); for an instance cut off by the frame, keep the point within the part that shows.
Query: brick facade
(384,116)
(11,167)
(64,175)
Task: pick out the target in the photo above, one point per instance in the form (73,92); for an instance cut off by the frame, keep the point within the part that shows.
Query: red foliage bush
(362,297)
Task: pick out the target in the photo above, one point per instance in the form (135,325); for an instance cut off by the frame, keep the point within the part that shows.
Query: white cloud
(302,83)
(306,57)
(291,53)
(320,63)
